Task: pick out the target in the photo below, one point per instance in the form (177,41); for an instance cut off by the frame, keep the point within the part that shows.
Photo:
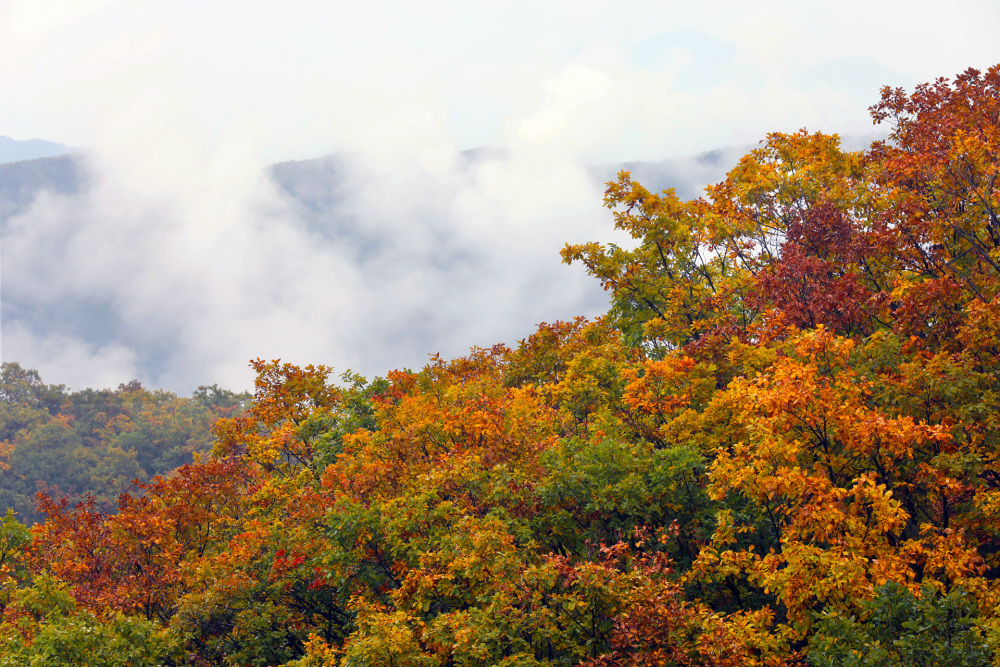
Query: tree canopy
(780,446)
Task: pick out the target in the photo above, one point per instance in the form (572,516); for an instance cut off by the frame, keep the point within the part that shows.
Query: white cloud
(69,360)
(194,273)
(303,78)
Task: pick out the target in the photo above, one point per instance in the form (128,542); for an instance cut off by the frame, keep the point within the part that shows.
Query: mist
(348,261)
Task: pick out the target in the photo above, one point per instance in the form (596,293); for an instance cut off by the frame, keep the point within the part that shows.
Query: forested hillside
(781,446)
(96,442)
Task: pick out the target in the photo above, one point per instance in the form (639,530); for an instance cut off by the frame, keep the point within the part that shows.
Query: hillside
(14,150)
(94,444)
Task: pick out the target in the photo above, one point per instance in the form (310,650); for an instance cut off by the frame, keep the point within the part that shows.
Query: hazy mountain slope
(688,176)
(316,186)
(21,182)
(14,150)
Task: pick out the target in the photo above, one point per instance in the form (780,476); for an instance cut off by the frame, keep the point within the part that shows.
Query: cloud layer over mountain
(355,264)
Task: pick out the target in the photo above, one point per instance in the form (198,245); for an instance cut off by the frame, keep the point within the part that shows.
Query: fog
(355,263)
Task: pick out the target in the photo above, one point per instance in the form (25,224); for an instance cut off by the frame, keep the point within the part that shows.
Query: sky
(194,261)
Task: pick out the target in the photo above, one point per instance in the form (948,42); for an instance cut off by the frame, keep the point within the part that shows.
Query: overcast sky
(200,263)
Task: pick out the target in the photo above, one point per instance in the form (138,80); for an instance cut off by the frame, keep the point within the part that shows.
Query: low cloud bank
(354,261)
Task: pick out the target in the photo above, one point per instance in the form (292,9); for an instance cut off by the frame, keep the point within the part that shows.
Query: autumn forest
(780,446)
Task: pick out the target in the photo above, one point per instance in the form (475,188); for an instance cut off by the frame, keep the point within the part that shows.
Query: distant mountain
(315,187)
(20,182)
(13,150)
(688,175)
(317,184)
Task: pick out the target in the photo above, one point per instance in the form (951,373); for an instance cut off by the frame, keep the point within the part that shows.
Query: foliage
(96,443)
(50,630)
(902,629)
(780,445)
